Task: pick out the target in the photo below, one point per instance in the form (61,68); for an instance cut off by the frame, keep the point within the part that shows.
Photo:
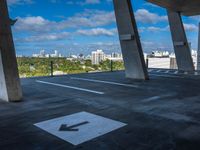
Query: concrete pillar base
(10,88)
(134,62)
(181,46)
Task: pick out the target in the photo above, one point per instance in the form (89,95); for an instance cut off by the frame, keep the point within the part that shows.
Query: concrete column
(198,51)
(10,88)
(181,46)
(135,67)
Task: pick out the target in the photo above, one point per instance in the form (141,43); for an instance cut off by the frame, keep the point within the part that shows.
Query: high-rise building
(56,54)
(42,53)
(97,57)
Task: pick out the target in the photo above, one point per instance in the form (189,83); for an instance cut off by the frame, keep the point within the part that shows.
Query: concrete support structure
(198,51)
(181,46)
(135,67)
(186,7)
(10,88)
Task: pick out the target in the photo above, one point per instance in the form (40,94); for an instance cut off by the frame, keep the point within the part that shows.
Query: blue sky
(81,26)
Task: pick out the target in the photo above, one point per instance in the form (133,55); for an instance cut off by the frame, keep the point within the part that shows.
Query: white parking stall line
(155,98)
(106,82)
(158,71)
(71,87)
(166,76)
(176,72)
(167,71)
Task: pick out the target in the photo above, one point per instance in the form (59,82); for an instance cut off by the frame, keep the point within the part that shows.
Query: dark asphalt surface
(162,113)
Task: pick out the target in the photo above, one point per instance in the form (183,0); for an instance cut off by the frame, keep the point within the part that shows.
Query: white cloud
(85,2)
(97,32)
(45,37)
(16,2)
(157,29)
(196,17)
(144,16)
(33,24)
(190,27)
(149,45)
(92,1)
(153,29)
(151,5)
(89,18)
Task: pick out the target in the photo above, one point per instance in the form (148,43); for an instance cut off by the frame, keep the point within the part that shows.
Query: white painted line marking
(71,87)
(176,72)
(167,76)
(79,127)
(152,98)
(155,98)
(106,82)
(158,71)
(167,71)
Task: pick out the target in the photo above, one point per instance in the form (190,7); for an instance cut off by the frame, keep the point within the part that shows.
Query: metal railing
(31,67)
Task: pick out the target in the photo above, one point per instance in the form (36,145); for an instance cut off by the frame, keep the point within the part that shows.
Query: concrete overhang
(186,7)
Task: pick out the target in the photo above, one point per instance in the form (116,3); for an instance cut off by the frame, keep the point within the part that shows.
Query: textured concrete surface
(10,88)
(162,113)
(186,7)
(135,67)
(181,46)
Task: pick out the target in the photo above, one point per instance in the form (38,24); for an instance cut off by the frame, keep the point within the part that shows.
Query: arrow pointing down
(64,127)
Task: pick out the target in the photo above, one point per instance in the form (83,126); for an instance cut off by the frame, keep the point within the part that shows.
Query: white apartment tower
(97,57)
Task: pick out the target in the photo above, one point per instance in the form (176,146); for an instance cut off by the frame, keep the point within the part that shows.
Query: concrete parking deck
(161,114)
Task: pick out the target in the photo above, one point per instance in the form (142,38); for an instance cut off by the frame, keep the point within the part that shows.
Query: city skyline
(82,26)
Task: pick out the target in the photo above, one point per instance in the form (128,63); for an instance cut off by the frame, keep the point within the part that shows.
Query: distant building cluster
(99,56)
(79,57)
(156,59)
(42,54)
(96,56)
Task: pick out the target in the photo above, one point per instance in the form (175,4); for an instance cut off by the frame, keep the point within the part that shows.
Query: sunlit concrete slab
(130,41)
(186,7)
(161,113)
(10,89)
